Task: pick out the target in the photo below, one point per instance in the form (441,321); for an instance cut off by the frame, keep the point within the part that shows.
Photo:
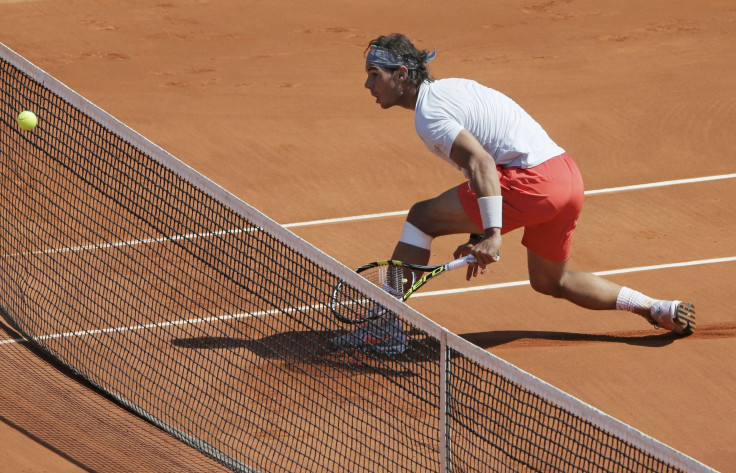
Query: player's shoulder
(455,86)
(440,104)
(452,83)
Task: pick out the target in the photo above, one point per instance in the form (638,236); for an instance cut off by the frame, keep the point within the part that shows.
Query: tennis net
(205,317)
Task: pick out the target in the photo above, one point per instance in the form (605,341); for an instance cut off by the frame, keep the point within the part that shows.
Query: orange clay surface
(266,98)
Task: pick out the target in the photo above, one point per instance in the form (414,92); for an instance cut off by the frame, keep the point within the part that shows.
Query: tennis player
(517,177)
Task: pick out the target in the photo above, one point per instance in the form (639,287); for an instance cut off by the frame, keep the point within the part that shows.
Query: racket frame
(429,273)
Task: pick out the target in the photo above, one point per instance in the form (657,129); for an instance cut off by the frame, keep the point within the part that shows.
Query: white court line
(599,273)
(102,246)
(591,192)
(200,320)
(197,320)
(371,216)
(193,236)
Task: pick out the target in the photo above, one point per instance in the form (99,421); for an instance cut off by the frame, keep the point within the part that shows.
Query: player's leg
(583,289)
(593,292)
(442,215)
(548,242)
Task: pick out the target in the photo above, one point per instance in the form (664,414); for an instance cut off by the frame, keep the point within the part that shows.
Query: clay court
(267,100)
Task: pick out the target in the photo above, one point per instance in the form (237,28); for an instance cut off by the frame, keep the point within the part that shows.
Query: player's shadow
(313,346)
(497,338)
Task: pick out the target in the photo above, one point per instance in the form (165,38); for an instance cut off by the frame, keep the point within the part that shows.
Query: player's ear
(402,73)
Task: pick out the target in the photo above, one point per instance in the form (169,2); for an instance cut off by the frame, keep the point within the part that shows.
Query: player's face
(383,86)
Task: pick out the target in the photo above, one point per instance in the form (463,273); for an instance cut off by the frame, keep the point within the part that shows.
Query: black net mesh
(219,333)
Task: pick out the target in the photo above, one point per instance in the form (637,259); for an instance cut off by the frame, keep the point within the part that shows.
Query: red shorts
(546,200)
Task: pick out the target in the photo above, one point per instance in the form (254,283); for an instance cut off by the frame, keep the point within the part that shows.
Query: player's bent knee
(424,215)
(547,287)
(420,212)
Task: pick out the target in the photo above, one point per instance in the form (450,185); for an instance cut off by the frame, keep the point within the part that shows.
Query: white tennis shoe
(677,316)
(384,336)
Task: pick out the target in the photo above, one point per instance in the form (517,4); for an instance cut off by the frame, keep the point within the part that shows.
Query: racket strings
(395,280)
(350,304)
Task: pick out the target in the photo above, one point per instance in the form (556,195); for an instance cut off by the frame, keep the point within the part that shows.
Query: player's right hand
(486,252)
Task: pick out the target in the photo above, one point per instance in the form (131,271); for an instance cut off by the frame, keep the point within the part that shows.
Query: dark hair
(400,45)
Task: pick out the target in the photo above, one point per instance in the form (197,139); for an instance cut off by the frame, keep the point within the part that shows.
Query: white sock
(631,300)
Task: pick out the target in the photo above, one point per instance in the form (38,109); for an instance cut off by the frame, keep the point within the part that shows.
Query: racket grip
(460,262)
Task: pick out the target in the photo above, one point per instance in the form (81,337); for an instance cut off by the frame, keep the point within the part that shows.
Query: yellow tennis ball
(27,120)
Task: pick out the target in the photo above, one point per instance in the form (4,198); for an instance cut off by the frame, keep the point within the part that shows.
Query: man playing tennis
(517,178)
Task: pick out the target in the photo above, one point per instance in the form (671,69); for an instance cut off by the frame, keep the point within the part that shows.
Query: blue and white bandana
(383,57)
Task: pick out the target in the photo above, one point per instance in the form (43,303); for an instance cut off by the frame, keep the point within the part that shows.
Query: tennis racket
(397,278)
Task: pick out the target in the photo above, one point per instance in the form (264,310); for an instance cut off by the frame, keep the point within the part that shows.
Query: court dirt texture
(267,100)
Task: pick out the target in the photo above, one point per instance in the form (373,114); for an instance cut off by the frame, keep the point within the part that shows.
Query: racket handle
(460,262)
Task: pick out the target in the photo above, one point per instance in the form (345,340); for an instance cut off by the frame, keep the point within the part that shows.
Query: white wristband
(491,211)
